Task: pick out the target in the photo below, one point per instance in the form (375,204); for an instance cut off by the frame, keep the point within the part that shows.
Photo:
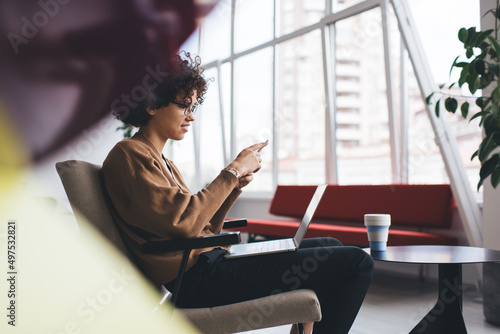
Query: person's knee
(364,261)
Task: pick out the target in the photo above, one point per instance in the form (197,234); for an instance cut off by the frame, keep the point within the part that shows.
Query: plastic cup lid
(377,216)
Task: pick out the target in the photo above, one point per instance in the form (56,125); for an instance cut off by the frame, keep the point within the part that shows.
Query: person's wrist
(233,171)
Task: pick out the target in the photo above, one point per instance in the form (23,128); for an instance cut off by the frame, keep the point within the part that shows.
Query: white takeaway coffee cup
(377,228)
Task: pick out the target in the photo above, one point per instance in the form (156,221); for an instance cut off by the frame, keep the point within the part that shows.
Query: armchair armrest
(186,245)
(222,239)
(233,223)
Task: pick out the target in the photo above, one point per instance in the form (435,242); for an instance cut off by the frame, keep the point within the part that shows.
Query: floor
(394,305)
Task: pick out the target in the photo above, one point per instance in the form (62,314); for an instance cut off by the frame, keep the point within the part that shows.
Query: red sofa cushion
(408,205)
(348,235)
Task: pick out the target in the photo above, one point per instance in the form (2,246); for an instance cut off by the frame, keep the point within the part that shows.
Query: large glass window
(362,133)
(253,109)
(210,132)
(338,5)
(216,32)
(425,164)
(301,111)
(295,14)
(182,153)
(253,24)
(271,86)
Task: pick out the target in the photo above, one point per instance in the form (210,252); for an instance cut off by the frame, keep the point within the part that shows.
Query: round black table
(446,316)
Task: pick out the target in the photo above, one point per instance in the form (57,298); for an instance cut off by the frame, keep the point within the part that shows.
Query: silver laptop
(280,245)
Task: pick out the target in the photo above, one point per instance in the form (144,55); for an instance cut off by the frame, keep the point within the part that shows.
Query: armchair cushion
(85,189)
(276,310)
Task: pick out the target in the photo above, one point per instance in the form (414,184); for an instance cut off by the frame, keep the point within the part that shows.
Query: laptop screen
(311,208)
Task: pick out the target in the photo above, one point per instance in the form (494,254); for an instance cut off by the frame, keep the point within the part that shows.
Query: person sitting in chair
(152,202)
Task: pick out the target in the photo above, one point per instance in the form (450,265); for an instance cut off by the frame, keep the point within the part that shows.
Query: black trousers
(340,276)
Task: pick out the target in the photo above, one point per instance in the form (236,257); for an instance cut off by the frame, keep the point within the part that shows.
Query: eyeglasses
(187,110)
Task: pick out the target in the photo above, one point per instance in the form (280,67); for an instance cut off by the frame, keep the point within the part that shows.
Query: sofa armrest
(222,239)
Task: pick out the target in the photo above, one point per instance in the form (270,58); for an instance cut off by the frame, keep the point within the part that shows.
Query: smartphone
(260,149)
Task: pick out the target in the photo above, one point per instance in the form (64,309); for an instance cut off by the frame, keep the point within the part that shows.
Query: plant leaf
(496,137)
(474,82)
(479,114)
(454,64)
(490,11)
(490,126)
(463,76)
(479,102)
(464,108)
(462,35)
(494,102)
(487,168)
(495,44)
(480,66)
(469,53)
(495,177)
(436,109)
(485,80)
(486,111)
(494,109)
(451,104)
(471,33)
(493,68)
(480,37)
(428,98)
(474,155)
(485,148)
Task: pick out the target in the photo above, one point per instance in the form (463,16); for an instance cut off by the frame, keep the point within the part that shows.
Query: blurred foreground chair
(84,187)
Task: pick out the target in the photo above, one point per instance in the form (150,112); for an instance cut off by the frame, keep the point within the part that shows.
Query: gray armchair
(84,188)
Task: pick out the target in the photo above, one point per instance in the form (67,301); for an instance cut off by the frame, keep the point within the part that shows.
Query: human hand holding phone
(248,162)
(260,149)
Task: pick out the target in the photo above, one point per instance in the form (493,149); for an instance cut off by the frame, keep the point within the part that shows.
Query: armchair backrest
(84,187)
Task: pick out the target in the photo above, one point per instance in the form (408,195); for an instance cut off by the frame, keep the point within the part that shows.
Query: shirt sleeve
(154,205)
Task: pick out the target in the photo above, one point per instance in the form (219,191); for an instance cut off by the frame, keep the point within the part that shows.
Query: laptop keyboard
(266,246)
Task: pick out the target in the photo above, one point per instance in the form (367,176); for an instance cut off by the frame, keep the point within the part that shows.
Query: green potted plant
(479,73)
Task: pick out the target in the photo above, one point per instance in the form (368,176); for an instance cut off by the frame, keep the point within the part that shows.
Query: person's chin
(179,137)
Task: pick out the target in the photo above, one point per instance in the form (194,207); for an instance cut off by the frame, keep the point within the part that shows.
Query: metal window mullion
(332,18)
(222,119)
(232,120)
(466,203)
(393,128)
(196,125)
(405,112)
(196,144)
(329,59)
(275,97)
(351,11)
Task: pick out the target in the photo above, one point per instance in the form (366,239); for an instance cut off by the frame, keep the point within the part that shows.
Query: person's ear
(150,111)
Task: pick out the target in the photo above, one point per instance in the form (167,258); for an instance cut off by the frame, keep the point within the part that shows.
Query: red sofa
(416,212)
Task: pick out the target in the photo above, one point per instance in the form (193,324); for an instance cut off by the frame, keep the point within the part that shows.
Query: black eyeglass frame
(187,111)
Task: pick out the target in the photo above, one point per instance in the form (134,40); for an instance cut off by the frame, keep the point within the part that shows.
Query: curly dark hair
(185,76)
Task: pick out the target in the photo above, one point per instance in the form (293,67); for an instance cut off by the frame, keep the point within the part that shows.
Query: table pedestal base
(446,316)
